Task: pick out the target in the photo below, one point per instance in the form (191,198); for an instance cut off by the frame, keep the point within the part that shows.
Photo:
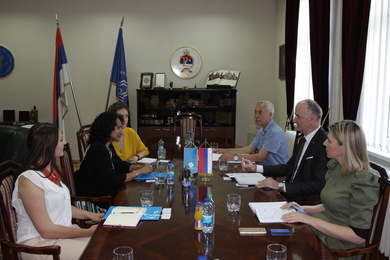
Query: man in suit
(306,169)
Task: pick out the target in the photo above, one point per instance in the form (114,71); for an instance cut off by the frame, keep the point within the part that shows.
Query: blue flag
(118,73)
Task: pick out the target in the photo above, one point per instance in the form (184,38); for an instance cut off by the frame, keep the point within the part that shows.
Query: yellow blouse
(132,144)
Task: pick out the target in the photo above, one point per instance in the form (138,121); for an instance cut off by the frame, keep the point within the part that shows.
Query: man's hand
(268,183)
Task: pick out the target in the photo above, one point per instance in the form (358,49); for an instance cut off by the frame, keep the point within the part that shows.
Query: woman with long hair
(129,146)
(42,201)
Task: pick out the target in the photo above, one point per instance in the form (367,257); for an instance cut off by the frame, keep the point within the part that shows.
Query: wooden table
(176,238)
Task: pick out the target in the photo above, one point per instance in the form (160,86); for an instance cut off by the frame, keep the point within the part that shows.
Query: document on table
(216,156)
(147,160)
(247,178)
(124,216)
(269,212)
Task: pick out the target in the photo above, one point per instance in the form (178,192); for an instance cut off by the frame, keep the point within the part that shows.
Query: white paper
(147,160)
(247,178)
(269,212)
(216,156)
(124,216)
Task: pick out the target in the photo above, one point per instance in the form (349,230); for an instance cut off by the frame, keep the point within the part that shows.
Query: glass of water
(160,172)
(276,252)
(123,253)
(147,198)
(233,203)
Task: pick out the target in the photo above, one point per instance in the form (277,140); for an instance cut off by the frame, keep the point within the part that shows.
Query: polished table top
(176,238)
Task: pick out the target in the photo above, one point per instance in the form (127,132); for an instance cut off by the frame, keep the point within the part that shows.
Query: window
(303,80)
(374,109)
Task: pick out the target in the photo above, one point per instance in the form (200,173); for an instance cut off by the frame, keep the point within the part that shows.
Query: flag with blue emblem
(118,73)
(62,79)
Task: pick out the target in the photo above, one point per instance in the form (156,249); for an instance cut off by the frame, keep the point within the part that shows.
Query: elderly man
(305,171)
(270,141)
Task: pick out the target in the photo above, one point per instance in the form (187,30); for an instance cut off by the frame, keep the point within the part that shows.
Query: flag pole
(110,85)
(71,87)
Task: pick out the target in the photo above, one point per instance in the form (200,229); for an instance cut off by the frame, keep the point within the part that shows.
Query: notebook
(269,212)
(124,216)
(151,213)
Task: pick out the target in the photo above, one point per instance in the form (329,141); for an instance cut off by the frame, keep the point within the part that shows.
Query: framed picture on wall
(282,62)
(146,80)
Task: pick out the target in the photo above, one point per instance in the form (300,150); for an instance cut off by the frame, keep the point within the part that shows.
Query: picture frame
(146,80)
(159,80)
(282,61)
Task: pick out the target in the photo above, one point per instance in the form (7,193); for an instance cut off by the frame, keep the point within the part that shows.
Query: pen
(124,212)
(298,209)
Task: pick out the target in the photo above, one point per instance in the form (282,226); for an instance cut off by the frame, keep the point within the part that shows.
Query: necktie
(299,154)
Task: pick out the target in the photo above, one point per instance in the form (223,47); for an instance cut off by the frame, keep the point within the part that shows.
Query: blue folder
(152,213)
(145,176)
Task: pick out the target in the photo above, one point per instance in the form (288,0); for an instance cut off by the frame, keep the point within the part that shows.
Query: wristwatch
(137,156)
(235,157)
(281,187)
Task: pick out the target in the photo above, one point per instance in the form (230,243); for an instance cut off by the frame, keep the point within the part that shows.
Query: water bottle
(208,216)
(160,150)
(170,173)
(185,177)
(160,144)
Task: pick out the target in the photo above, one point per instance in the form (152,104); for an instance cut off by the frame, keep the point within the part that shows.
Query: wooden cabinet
(157,107)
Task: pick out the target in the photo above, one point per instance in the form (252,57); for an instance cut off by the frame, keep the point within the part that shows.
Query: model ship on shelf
(222,79)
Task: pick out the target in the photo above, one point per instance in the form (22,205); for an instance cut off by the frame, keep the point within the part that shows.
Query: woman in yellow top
(130,147)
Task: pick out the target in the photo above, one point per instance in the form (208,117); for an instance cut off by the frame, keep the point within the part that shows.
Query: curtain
(319,14)
(292,13)
(354,37)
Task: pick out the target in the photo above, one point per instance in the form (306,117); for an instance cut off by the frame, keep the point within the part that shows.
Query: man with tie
(305,171)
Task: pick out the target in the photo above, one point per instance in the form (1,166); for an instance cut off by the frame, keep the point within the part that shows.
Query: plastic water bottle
(185,177)
(208,216)
(160,144)
(170,173)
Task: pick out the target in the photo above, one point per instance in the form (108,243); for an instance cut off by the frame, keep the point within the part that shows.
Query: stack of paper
(269,212)
(124,216)
(247,178)
(147,160)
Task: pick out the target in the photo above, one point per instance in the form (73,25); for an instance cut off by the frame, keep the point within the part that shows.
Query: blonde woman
(351,191)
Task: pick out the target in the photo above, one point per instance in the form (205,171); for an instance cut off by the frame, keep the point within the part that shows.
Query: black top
(98,174)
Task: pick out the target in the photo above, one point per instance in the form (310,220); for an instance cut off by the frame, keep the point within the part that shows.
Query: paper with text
(269,212)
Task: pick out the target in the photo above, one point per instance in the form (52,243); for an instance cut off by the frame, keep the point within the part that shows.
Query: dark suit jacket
(310,177)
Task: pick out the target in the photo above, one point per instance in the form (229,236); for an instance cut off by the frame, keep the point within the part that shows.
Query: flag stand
(118,74)
(71,85)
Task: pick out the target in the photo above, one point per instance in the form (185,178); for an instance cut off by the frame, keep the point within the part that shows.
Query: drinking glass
(214,145)
(233,203)
(276,252)
(223,165)
(147,198)
(123,253)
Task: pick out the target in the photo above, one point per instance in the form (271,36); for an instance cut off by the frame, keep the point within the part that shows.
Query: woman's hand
(147,168)
(96,217)
(295,217)
(247,165)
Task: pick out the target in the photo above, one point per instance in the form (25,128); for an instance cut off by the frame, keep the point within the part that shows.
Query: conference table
(176,238)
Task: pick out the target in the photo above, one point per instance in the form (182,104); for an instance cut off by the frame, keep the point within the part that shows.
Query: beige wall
(229,34)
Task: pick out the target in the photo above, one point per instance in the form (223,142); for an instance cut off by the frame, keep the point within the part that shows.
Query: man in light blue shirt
(270,141)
